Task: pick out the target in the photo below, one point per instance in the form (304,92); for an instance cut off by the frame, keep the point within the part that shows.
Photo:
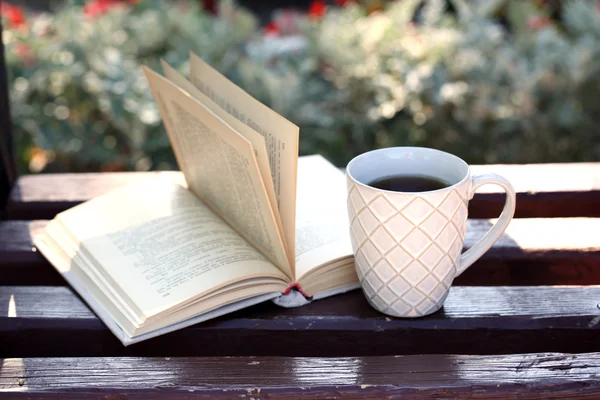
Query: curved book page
(257,141)
(281,138)
(220,168)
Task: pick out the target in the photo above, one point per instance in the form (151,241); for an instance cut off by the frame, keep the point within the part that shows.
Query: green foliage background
(496,81)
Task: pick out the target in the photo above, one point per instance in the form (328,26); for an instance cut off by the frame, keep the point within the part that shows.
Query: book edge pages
(101,313)
(223,310)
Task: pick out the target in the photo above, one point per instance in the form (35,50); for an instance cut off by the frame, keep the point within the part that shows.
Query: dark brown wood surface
(531,252)
(43,196)
(543,190)
(531,376)
(20,262)
(493,324)
(52,321)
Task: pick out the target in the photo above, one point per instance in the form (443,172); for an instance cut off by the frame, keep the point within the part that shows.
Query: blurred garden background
(493,81)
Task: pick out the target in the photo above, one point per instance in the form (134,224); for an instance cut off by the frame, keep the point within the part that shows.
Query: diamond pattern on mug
(413,297)
(386,295)
(432,224)
(417,211)
(431,257)
(449,206)
(382,209)
(398,200)
(460,216)
(438,292)
(446,238)
(408,246)
(456,248)
(382,240)
(359,233)
(444,267)
(401,308)
(370,252)
(349,205)
(357,201)
(374,280)
(413,313)
(379,303)
(436,198)
(462,191)
(368,222)
(449,278)
(367,194)
(368,289)
(415,243)
(425,306)
(398,258)
(384,271)
(399,286)
(361,262)
(414,273)
(359,274)
(399,227)
(428,284)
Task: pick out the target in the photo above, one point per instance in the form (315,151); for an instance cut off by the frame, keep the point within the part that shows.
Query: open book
(249,221)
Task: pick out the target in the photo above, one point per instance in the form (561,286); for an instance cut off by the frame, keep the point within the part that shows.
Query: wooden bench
(523,322)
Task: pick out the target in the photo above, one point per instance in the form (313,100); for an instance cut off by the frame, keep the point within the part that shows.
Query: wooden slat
(532,252)
(43,196)
(531,376)
(544,190)
(52,321)
(20,262)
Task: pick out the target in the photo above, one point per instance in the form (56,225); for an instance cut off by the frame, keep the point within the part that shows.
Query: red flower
(537,22)
(13,14)
(272,29)
(317,9)
(97,7)
(342,3)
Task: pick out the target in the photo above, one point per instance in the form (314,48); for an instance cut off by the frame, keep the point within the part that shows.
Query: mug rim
(408,148)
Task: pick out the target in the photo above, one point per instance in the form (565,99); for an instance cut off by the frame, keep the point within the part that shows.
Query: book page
(257,141)
(159,246)
(322,226)
(281,137)
(220,168)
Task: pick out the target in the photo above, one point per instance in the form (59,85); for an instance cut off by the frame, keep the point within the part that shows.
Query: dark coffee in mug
(408,183)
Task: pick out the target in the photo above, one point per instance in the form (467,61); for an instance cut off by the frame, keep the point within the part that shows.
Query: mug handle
(491,236)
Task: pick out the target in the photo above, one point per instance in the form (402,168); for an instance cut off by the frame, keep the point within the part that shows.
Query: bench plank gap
(53,321)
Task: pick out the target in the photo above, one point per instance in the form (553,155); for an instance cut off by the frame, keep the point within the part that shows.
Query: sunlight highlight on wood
(12,307)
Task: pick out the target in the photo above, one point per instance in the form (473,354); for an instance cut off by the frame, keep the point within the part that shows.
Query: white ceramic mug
(408,245)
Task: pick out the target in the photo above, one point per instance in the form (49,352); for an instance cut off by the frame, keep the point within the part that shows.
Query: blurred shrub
(493,81)
(79,99)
